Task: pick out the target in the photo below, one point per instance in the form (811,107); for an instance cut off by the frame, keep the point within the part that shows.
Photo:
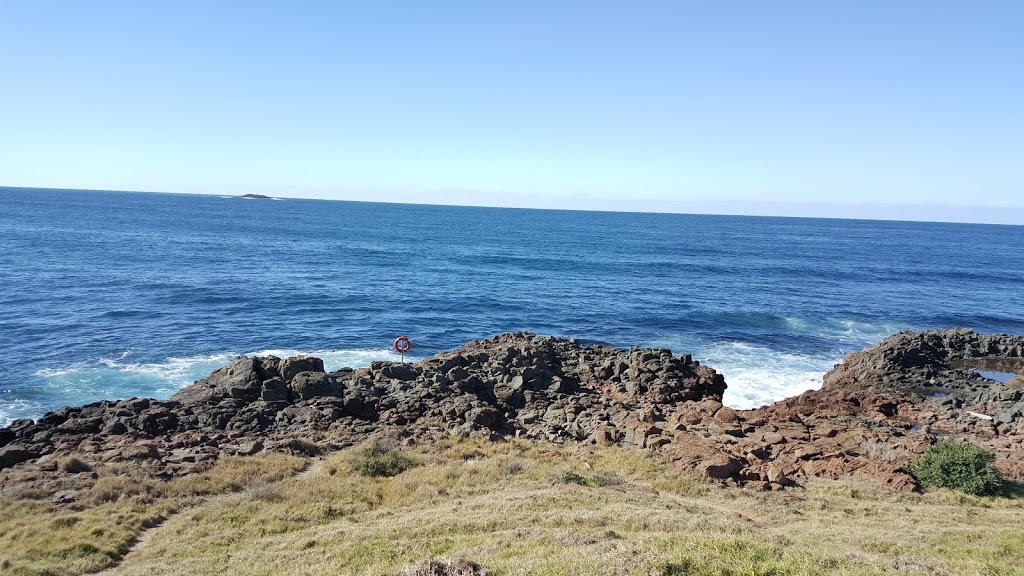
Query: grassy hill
(513,507)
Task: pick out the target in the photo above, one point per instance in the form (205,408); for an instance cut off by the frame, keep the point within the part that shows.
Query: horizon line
(667,203)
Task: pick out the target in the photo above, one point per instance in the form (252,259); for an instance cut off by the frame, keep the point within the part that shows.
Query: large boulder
(12,455)
(289,367)
(241,378)
(309,385)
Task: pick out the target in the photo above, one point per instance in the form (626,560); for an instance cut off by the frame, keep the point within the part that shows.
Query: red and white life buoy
(402,344)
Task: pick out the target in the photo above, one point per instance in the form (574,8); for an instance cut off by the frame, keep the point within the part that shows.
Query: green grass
(509,507)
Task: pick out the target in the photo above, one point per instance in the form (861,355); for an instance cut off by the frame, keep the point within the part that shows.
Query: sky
(911,110)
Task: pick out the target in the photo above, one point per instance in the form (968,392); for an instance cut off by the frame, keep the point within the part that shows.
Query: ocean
(109,295)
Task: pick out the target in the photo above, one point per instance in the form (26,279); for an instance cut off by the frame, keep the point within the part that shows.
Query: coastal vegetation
(381,459)
(525,454)
(513,507)
(958,465)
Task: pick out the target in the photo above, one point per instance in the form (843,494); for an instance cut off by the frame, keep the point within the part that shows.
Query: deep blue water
(109,294)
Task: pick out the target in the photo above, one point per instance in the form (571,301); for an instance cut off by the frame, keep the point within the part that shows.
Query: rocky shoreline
(874,412)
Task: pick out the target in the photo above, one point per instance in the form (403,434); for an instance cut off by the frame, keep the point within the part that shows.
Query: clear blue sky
(736,106)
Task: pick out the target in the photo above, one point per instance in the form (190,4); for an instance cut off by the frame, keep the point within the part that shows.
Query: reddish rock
(873,413)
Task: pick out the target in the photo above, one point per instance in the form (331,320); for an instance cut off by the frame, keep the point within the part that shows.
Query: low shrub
(445,568)
(574,478)
(381,460)
(74,465)
(62,522)
(113,488)
(598,480)
(608,479)
(305,447)
(514,467)
(957,465)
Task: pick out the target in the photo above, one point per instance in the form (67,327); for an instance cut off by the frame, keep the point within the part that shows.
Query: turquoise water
(109,294)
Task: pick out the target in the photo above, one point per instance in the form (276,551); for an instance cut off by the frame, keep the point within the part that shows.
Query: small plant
(445,568)
(608,479)
(957,465)
(306,447)
(381,460)
(514,467)
(599,480)
(266,493)
(574,478)
(64,522)
(74,465)
(681,568)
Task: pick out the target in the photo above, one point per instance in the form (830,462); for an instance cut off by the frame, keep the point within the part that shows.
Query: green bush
(959,466)
(381,460)
(574,478)
(598,480)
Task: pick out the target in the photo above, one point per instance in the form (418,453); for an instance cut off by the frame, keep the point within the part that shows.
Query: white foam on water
(117,374)
(334,359)
(118,377)
(758,375)
(12,408)
(844,331)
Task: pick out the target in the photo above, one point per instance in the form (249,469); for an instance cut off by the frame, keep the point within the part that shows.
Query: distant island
(255,197)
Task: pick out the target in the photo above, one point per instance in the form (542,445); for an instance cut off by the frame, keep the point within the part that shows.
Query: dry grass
(40,538)
(505,506)
(879,450)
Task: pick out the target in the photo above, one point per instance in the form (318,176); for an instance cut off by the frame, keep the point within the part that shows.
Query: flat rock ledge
(874,412)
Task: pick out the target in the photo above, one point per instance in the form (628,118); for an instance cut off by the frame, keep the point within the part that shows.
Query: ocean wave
(118,377)
(757,375)
(334,359)
(851,331)
(761,368)
(188,369)
(13,408)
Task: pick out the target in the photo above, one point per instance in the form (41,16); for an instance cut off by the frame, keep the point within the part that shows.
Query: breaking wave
(119,377)
(757,375)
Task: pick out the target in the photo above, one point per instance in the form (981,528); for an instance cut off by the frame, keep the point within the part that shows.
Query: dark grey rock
(309,385)
(289,367)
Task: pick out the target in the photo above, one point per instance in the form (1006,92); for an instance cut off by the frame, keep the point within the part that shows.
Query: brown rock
(14,455)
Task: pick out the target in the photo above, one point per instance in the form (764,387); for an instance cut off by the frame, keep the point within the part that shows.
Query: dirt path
(143,538)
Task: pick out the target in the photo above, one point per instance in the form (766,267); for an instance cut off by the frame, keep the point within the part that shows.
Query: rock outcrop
(874,412)
(927,384)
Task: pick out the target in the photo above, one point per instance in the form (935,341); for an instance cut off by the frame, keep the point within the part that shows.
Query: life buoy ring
(402,344)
